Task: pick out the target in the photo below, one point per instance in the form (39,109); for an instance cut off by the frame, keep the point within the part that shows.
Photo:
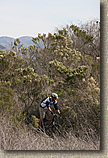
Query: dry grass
(11,139)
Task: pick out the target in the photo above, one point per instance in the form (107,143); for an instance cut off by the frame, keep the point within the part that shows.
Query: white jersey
(48,102)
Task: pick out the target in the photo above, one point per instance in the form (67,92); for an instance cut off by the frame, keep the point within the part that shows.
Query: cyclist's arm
(48,106)
(56,108)
(58,111)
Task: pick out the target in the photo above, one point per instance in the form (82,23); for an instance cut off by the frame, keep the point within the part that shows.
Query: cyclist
(45,106)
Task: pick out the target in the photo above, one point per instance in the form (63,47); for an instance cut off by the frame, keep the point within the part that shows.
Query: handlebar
(56,115)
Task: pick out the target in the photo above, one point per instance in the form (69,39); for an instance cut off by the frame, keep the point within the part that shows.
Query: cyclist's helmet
(54,95)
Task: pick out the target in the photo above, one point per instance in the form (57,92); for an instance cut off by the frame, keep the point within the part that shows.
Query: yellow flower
(1,56)
(83,80)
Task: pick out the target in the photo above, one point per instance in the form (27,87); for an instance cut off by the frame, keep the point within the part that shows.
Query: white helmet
(54,95)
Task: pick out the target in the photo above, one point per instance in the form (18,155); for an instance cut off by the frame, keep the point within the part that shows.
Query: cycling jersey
(47,102)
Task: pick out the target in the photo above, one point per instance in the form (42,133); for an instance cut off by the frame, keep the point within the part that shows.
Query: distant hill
(2,47)
(7,42)
(26,40)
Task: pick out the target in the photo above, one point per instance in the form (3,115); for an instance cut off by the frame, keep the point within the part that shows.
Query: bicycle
(53,128)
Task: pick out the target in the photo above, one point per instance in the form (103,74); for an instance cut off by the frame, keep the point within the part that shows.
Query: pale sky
(30,17)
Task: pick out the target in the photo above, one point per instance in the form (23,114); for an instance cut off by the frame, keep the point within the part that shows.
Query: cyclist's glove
(52,113)
(60,115)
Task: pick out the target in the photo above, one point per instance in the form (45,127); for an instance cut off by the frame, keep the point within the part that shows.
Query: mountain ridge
(7,41)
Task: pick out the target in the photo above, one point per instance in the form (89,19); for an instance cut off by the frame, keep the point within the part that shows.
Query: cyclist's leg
(41,116)
(42,112)
(50,116)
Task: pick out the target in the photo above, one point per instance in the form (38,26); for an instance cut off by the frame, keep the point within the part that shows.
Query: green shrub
(35,121)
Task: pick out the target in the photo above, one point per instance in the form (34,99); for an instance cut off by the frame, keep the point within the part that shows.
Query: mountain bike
(53,128)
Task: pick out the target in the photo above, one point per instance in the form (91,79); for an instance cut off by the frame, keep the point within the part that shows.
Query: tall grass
(24,139)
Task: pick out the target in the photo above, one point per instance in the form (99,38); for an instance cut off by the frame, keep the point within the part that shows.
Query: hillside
(26,40)
(2,47)
(6,42)
(67,64)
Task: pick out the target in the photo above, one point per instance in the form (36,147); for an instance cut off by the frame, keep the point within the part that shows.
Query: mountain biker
(45,106)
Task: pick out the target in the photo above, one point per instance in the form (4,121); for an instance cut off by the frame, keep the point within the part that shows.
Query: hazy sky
(30,17)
